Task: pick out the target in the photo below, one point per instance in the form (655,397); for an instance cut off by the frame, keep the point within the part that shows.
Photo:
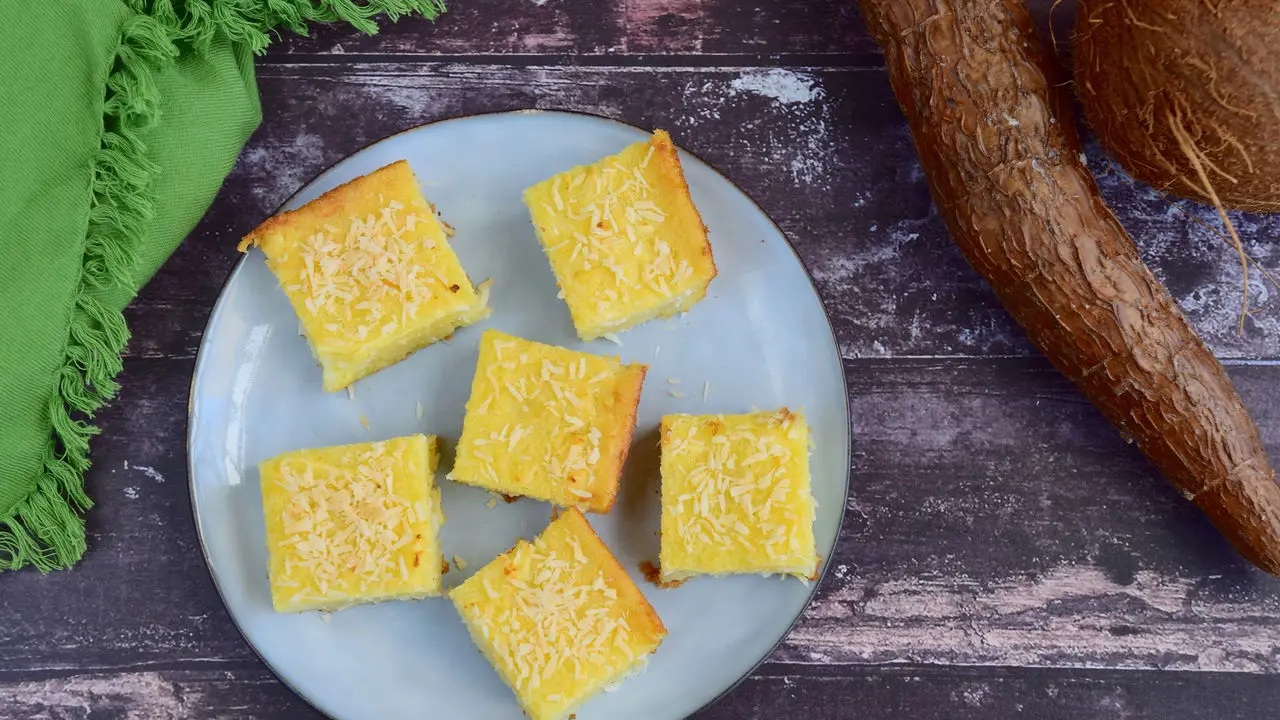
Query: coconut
(1185,94)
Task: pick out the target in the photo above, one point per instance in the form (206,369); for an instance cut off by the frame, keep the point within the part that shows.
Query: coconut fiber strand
(121,118)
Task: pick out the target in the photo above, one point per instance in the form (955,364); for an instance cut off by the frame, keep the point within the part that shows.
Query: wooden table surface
(1004,552)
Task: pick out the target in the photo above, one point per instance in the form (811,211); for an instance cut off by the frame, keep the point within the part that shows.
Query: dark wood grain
(1004,553)
(931,693)
(704,28)
(823,151)
(215,691)
(248,692)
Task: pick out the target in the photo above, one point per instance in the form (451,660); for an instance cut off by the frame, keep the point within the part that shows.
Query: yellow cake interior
(558,618)
(736,496)
(547,423)
(370,274)
(353,524)
(623,237)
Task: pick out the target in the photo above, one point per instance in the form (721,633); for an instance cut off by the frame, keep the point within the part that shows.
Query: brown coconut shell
(1185,94)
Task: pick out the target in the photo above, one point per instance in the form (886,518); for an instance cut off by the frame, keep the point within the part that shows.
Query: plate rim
(200,359)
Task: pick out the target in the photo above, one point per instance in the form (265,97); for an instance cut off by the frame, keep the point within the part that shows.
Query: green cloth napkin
(121,118)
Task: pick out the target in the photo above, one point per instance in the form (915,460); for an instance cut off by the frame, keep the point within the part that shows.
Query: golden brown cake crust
(669,162)
(629,395)
(622,581)
(653,574)
(326,204)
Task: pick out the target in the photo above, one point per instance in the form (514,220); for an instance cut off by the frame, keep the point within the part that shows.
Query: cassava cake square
(368,269)
(736,495)
(558,618)
(353,524)
(547,422)
(623,237)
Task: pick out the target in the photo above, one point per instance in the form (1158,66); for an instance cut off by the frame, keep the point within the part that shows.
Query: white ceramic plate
(760,339)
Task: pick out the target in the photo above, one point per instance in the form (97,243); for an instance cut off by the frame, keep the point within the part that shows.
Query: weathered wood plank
(618,27)
(209,691)
(923,693)
(142,593)
(994,518)
(822,150)
(217,691)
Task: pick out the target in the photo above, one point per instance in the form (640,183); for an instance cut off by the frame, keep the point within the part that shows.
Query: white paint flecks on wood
(827,170)
(784,86)
(838,172)
(1071,616)
(283,170)
(134,696)
(664,26)
(619,27)
(150,472)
